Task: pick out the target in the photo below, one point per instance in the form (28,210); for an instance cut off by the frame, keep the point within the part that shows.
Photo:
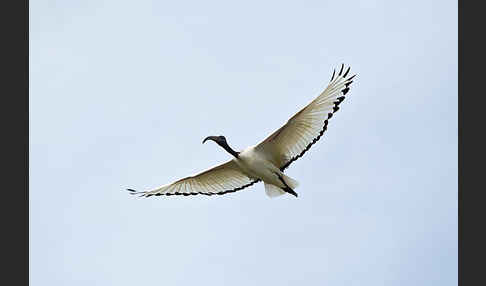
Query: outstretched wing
(292,140)
(219,180)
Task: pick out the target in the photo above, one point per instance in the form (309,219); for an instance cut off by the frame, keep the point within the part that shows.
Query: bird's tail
(273,191)
(293,184)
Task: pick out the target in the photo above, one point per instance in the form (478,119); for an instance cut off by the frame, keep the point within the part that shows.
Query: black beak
(210,138)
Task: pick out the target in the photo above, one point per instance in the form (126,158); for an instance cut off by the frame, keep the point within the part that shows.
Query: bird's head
(220,140)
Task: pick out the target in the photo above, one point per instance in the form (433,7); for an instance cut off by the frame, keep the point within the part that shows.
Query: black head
(221,140)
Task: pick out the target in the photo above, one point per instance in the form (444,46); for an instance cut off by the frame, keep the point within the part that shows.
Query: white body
(255,164)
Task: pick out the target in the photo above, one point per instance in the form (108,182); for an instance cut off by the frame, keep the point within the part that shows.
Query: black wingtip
(133,192)
(333,74)
(341,71)
(346,73)
(351,77)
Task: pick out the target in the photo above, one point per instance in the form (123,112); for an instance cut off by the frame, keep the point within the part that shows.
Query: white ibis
(267,160)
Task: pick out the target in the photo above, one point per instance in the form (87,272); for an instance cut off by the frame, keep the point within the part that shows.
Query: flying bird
(267,160)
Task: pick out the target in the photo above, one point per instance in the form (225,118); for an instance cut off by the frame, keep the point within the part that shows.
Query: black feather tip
(341,71)
(346,73)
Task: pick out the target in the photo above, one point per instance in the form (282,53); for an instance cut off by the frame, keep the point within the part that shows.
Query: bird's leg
(286,188)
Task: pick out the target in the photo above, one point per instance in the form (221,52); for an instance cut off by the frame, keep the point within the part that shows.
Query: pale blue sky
(123,92)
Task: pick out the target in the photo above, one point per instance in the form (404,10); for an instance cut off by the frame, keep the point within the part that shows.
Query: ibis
(267,160)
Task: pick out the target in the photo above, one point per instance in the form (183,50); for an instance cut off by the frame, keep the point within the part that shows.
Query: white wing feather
(302,130)
(219,180)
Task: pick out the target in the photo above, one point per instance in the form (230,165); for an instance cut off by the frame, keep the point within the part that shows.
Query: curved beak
(210,138)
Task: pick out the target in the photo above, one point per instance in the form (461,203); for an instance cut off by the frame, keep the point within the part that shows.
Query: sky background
(123,92)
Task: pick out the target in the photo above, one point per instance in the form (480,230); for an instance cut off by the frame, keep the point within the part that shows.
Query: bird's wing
(302,130)
(219,180)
